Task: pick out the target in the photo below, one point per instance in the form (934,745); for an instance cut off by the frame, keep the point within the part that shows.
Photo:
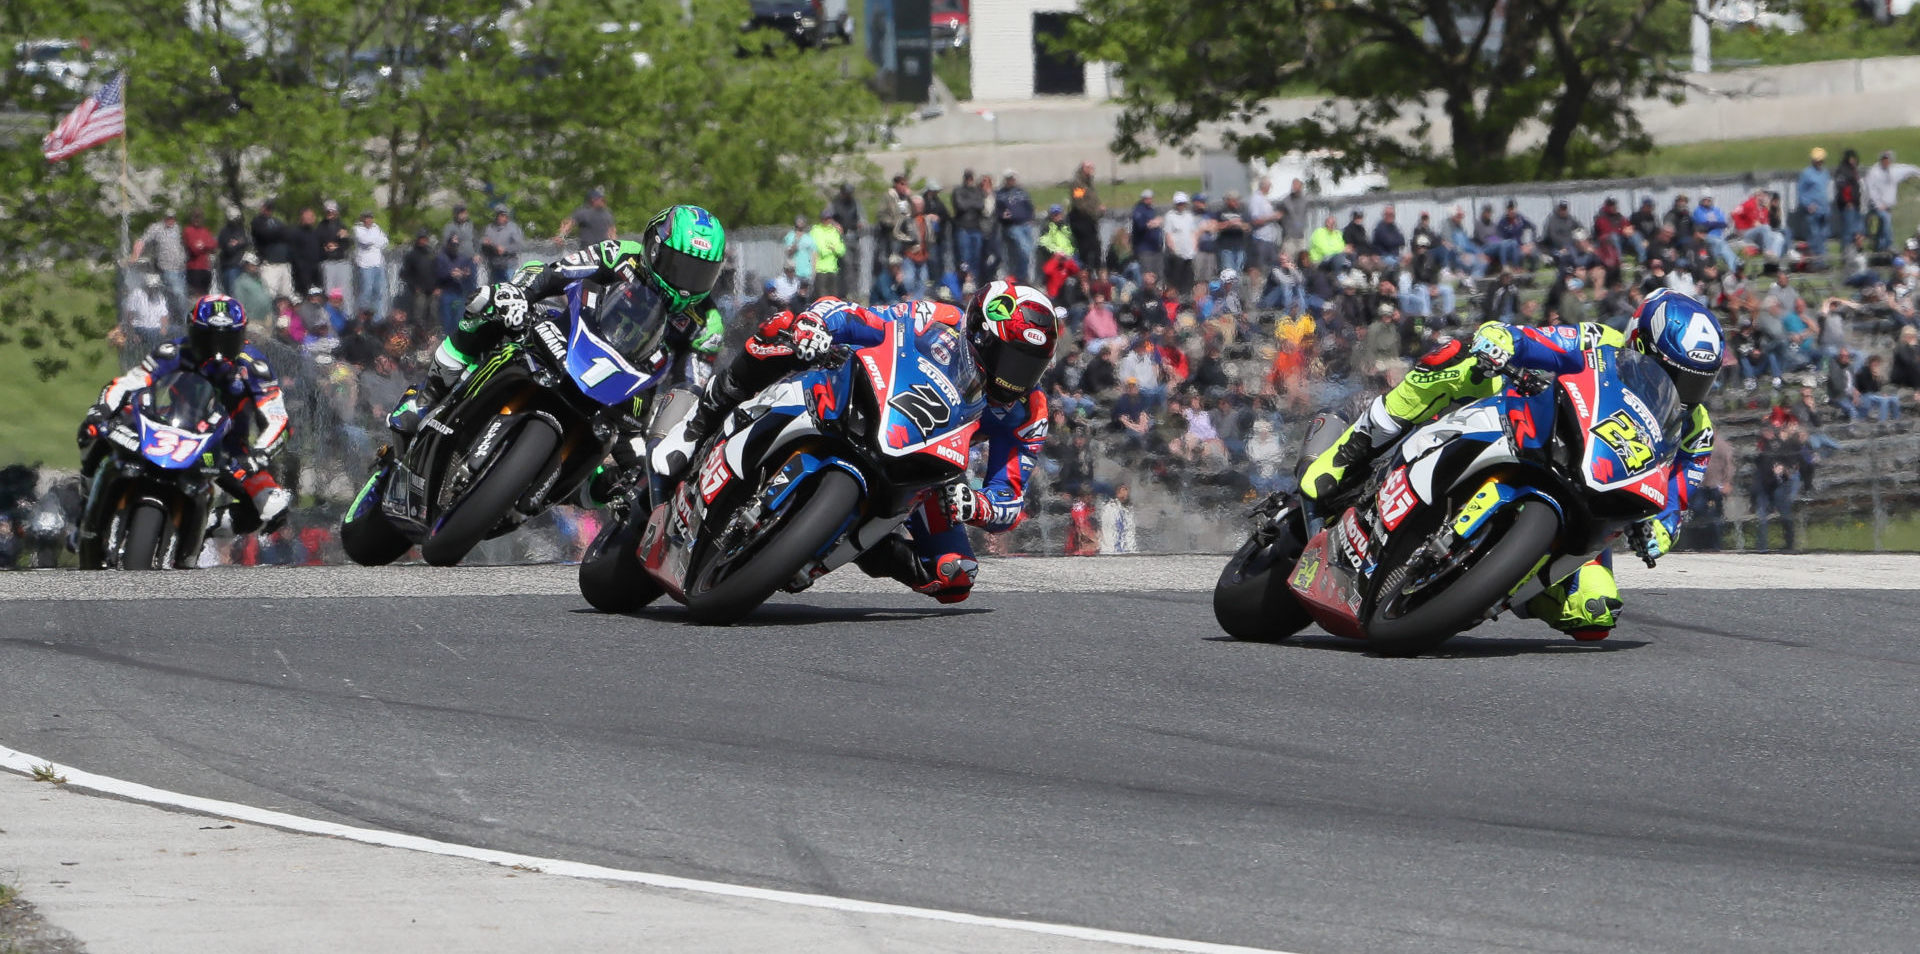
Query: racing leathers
(499,309)
(260,427)
(933,554)
(1586,605)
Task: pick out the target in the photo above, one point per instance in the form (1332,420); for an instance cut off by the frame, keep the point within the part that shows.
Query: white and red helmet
(1012,329)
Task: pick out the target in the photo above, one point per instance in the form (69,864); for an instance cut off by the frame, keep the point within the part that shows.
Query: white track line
(134,791)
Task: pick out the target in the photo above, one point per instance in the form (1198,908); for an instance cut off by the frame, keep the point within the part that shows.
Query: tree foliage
(408,106)
(1393,71)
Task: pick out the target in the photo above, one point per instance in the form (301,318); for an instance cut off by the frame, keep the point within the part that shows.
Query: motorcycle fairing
(596,368)
(917,383)
(1327,589)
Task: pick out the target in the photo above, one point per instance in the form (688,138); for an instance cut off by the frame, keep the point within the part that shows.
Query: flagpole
(126,211)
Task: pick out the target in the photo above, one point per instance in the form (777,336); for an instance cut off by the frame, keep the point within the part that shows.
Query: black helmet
(1012,329)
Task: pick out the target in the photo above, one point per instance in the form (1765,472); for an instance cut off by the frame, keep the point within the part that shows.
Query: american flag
(101,118)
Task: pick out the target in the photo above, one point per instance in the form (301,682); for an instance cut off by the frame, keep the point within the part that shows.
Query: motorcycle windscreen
(932,392)
(614,351)
(1633,418)
(181,416)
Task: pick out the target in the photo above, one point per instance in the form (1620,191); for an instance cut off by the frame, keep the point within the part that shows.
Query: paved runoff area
(341,759)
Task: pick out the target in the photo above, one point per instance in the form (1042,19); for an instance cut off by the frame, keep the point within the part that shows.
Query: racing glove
(1491,356)
(1656,540)
(811,339)
(504,302)
(964,504)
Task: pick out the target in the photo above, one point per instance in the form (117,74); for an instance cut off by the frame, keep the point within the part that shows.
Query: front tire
(611,576)
(1462,602)
(369,538)
(1252,601)
(836,494)
(491,497)
(146,528)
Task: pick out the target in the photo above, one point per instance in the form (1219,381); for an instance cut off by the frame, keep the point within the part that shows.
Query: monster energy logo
(494,363)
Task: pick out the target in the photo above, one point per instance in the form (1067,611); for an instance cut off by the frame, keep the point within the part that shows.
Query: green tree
(1393,71)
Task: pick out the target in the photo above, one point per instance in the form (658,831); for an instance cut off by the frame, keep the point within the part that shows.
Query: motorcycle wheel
(812,525)
(369,538)
(1252,601)
(1459,604)
(611,577)
(481,508)
(146,528)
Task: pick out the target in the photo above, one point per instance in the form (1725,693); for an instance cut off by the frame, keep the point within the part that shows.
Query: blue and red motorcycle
(149,501)
(799,480)
(1467,516)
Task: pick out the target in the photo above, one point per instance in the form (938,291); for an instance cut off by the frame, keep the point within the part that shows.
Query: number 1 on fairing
(601,369)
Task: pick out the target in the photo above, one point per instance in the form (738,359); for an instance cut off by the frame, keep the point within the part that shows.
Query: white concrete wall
(1001,47)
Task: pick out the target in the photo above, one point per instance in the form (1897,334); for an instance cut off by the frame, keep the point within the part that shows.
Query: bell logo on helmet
(701,243)
(1034,336)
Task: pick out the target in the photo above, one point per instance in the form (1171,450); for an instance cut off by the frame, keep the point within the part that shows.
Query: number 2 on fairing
(601,369)
(1623,435)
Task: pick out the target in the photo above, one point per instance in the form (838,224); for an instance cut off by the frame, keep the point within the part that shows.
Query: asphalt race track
(1735,771)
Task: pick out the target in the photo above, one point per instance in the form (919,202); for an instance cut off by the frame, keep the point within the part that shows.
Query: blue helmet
(1684,336)
(217,327)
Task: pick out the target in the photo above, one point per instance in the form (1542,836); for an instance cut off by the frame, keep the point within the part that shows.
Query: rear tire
(1252,601)
(491,497)
(146,527)
(611,576)
(369,538)
(836,494)
(1461,603)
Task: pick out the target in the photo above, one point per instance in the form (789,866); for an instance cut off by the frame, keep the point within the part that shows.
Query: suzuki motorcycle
(150,499)
(520,432)
(798,481)
(1465,517)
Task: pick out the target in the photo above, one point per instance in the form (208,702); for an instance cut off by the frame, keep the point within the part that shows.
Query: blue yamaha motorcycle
(150,499)
(525,427)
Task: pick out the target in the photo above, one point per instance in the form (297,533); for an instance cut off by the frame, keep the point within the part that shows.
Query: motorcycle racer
(215,347)
(1677,331)
(1010,329)
(678,260)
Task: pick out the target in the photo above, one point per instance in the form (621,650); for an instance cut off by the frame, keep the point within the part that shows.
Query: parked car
(51,72)
(950,23)
(809,23)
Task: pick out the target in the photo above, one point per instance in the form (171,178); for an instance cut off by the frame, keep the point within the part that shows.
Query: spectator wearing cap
(1083,218)
(969,222)
(1058,237)
(1264,228)
(890,218)
(456,276)
(785,286)
(1882,186)
(1679,218)
(164,245)
(1387,240)
(1016,225)
(336,245)
(336,310)
(1296,220)
(1646,224)
(312,310)
(234,242)
(593,221)
(460,227)
(419,272)
(829,255)
(1556,235)
(1359,242)
(270,242)
(144,312)
(1815,187)
(303,251)
(1847,196)
(1182,229)
(919,234)
(798,249)
(1147,232)
(370,264)
(247,287)
(1424,265)
(502,243)
(1709,216)
(200,246)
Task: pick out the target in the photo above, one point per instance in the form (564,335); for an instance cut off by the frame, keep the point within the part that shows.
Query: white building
(1009,62)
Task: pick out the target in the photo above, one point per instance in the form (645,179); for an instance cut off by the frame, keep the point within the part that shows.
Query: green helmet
(685,248)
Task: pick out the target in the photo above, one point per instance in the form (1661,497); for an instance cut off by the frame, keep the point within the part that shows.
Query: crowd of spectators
(1201,332)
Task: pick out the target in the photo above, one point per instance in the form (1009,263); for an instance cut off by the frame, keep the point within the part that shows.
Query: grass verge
(38,417)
